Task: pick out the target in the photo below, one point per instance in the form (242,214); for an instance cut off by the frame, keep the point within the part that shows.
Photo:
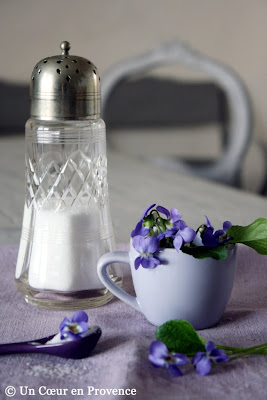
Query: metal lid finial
(65,47)
(65,87)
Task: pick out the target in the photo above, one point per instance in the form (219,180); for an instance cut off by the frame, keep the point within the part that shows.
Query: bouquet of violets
(160,228)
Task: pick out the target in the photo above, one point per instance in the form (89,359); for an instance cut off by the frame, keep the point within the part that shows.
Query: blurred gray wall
(106,31)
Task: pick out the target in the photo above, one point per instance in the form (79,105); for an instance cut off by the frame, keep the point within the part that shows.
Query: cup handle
(103,263)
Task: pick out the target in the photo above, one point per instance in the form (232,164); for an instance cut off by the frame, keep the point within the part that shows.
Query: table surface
(120,359)
(133,185)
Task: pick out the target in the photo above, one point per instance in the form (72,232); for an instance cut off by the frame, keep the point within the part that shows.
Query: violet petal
(137,262)
(136,230)
(72,335)
(174,371)
(188,234)
(79,316)
(140,230)
(65,322)
(149,262)
(218,233)
(198,357)
(177,242)
(160,236)
(158,362)
(180,359)
(208,238)
(84,327)
(152,244)
(226,225)
(182,224)
(222,359)
(170,232)
(175,215)
(210,346)
(203,366)
(164,211)
(208,222)
(148,209)
(219,355)
(158,349)
(138,243)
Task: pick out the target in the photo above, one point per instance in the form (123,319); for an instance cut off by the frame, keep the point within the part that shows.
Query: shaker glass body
(67,224)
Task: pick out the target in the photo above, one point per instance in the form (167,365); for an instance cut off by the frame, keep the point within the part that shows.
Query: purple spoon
(79,348)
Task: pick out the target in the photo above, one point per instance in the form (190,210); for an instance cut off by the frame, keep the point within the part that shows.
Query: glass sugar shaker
(66,224)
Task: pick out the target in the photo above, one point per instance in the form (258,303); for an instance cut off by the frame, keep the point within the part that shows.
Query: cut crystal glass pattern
(76,179)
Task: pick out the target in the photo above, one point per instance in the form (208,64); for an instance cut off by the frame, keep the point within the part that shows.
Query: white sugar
(65,249)
(50,369)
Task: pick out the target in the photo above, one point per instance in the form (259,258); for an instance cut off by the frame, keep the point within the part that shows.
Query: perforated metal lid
(65,87)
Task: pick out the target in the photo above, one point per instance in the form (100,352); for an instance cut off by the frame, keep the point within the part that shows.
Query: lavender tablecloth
(120,358)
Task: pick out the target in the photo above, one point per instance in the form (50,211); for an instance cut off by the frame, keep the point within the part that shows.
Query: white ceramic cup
(181,287)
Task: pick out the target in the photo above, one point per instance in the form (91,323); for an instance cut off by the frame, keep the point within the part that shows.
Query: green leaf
(200,252)
(253,235)
(180,337)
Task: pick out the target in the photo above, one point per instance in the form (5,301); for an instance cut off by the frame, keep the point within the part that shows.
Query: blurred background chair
(163,118)
(131,100)
(14,107)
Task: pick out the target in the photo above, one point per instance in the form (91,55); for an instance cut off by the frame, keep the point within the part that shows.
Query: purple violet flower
(148,209)
(76,327)
(164,211)
(161,357)
(177,227)
(146,247)
(226,226)
(203,361)
(140,229)
(175,216)
(172,216)
(185,235)
(211,239)
(208,224)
